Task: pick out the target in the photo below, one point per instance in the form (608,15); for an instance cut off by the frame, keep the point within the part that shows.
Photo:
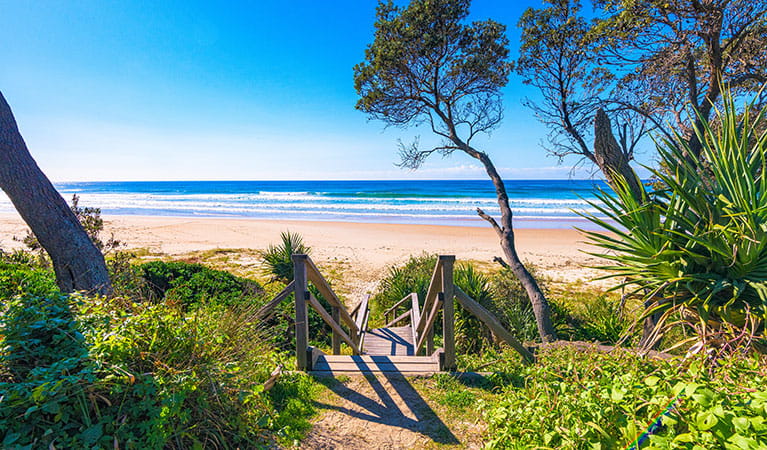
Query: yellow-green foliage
(79,372)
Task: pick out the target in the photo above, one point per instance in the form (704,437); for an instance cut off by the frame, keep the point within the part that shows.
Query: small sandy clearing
(384,412)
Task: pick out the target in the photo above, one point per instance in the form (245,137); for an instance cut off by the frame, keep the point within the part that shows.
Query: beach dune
(365,250)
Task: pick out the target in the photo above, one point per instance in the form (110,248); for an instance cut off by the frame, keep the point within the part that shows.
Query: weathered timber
(267,309)
(335,341)
(275,375)
(432,316)
(393,309)
(389,341)
(495,326)
(335,326)
(362,320)
(322,285)
(399,318)
(448,311)
(431,295)
(406,365)
(415,315)
(302,324)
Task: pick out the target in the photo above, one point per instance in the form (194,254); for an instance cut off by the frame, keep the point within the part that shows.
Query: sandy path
(383,412)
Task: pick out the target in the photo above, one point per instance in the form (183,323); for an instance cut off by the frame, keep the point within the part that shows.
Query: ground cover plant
(575,399)
(80,372)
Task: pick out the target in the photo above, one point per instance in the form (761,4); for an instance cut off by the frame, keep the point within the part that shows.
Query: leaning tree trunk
(612,160)
(614,164)
(505,231)
(78,264)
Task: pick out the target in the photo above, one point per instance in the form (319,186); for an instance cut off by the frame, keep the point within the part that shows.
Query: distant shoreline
(552,204)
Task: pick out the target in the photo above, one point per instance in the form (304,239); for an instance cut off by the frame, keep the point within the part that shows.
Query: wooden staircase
(391,349)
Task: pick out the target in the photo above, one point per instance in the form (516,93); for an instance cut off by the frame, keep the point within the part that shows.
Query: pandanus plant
(695,248)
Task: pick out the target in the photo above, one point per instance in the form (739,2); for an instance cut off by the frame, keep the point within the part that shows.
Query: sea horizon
(536,203)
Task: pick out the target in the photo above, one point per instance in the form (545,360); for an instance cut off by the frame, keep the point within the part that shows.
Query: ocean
(535,203)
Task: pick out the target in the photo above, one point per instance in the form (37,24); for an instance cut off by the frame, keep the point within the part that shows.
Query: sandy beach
(361,251)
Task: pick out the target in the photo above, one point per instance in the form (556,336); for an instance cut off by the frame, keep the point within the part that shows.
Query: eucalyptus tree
(639,65)
(427,66)
(78,264)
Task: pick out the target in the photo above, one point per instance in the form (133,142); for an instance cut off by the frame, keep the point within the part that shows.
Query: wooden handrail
(399,318)
(399,303)
(314,303)
(362,321)
(435,286)
(314,275)
(485,316)
(364,310)
(265,310)
(415,316)
(429,324)
(355,310)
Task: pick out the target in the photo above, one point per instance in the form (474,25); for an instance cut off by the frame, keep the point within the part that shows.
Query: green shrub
(277,259)
(694,249)
(26,279)
(471,335)
(512,305)
(192,285)
(54,395)
(573,399)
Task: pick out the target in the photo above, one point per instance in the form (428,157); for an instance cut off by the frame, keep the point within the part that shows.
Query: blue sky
(188,90)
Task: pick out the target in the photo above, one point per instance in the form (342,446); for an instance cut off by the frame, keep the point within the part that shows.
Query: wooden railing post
(336,338)
(448,311)
(302,322)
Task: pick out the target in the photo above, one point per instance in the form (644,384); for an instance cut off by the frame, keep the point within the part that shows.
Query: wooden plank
(267,309)
(448,311)
(431,295)
(424,373)
(322,285)
(415,312)
(302,324)
(386,313)
(380,358)
(429,326)
(401,317)
(495,326)
(275,375)
(362,321)
(347,363)
(335,339)
(355,310)
(389,341)
(335,326)
(433,367)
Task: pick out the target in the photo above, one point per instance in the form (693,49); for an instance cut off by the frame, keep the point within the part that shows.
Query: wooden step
(409,365)
(389,341)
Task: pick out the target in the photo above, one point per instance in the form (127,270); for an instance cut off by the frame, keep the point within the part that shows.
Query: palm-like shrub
(695,249)
(277,261)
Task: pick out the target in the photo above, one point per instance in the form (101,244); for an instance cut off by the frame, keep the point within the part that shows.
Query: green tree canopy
(426,65)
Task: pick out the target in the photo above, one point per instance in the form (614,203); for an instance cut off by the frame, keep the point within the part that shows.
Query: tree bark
(615,165)
(78,264)
(505,232)
(611,159)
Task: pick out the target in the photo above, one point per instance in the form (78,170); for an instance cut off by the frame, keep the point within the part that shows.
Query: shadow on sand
(409,411)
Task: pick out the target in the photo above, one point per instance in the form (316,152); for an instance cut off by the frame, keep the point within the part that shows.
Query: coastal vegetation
(172,353)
